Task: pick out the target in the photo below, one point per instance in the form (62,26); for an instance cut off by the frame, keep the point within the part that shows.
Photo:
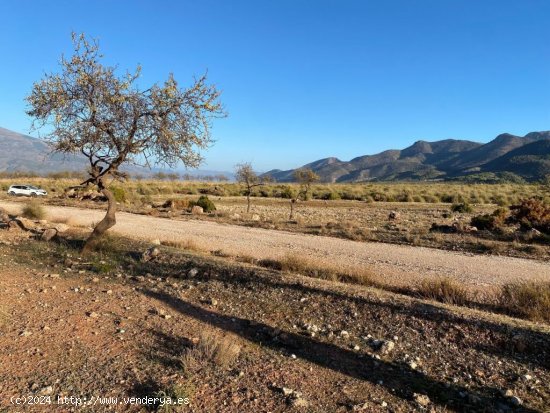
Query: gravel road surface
(396,264)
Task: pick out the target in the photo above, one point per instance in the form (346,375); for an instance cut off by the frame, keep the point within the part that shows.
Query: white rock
(46,390)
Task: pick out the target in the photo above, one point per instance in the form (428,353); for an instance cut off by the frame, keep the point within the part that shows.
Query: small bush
(119,193)
(144,190)
(528,300)
(174,392)
(445,290)
(33,210)
(331,196)
(288,192)
(463,208)
(205,203)
(176,204)
(210,349)
(531,213)
(490,222)
(212,190)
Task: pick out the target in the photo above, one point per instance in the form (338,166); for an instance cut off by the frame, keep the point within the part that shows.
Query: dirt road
(396,264)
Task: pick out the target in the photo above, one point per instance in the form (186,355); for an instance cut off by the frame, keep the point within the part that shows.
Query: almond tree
(90,110)
(305,177)
(244,173)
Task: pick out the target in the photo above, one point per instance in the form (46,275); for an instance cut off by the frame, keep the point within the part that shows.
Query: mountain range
(507,157)
(22,153)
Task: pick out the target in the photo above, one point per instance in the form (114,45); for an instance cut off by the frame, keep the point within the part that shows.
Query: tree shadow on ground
(398,378)
(166,349)
(536,344)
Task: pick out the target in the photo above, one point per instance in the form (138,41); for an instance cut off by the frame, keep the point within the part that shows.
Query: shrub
(445,290)
(490,222)
(174,392)
(205,203)
(531,213)
(350,196)
(210,349)
(463,208)
(288,192)
(528,300)
(331,196)
(176,204)
(144,190)
(33,210)
(431,199)
(212,190)
(404,197)
(119,193)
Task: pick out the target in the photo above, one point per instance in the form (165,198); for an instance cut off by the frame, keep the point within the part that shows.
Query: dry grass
(316,269)
(248,259)
(4,316)
(33,210)
(445,290)
(211,348)
(529,300)
(417,192)
(70,221)
(186,244)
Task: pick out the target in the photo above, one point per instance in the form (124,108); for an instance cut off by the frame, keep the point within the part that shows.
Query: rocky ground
(120,323)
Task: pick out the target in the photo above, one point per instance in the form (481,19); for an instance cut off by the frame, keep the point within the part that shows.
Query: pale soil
(394,264)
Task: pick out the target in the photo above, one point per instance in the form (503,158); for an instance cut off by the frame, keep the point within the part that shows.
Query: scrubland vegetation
(432,192)
(438,215)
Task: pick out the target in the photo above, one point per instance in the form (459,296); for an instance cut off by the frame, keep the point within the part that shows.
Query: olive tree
(245,175)
(88,109)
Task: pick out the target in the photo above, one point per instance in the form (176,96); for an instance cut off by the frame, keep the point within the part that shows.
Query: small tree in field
(246,176)
(92,111)
(292,195)
(305,177)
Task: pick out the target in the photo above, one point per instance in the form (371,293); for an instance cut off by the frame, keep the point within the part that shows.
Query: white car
(26,190)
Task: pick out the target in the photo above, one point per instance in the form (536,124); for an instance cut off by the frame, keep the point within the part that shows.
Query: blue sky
(303,80)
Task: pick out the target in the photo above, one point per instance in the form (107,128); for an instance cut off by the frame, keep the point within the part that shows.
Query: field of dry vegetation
(359,212)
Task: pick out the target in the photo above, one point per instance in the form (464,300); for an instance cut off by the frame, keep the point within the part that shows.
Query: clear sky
(304,80)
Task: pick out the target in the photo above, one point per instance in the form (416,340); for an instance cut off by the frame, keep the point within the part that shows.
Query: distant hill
(22,153)
(508,156)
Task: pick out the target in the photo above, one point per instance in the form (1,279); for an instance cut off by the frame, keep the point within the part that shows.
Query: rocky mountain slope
(19,152)
(22,153)
(507,156)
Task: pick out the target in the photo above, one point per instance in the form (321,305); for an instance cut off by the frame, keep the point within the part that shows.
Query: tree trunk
(248,202)
(292,201)
(107,222)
